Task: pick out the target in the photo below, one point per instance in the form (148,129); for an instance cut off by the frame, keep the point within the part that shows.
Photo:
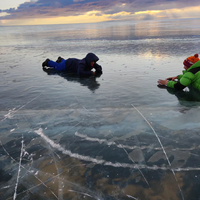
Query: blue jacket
(83,67)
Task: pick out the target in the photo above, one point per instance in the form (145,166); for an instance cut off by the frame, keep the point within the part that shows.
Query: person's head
(91,59)
(188,62)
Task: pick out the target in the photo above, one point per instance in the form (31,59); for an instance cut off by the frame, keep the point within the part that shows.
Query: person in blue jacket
(82,68)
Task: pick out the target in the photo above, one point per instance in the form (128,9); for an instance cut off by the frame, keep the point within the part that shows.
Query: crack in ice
(161,147)
(129,196)
(14,110)
(41,182)
(83,193)
(19,169)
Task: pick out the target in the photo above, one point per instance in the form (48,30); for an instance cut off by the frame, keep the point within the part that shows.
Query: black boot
(45,63)
(59,59)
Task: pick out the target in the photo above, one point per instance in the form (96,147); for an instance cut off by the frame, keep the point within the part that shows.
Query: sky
(36,12)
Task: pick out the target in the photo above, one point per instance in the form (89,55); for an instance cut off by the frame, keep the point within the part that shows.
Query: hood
(195,65)
(91,57)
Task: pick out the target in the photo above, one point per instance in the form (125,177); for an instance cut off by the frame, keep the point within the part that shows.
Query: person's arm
(176,85)
(98,68)
(165,81)
(82,72)
(172,78)
(185,80)
(171,84)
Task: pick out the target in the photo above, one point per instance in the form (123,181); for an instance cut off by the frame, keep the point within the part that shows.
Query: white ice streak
(101,141)
(94,139)
(14,110)
(85,194)
(161,147)
(132,197)
(104,162)
(67,152)
(9,115)
(18,174)
(80,193)
(8,186)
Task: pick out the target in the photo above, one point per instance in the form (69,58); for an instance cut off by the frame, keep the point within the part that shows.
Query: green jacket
(190,76)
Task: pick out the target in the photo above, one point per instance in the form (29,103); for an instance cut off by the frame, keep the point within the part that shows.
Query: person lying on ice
(190,76)
(82,68)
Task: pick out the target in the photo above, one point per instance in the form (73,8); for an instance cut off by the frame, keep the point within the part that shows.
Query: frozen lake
(113,137)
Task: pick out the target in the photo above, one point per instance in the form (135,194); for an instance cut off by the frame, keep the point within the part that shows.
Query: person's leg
(57,66)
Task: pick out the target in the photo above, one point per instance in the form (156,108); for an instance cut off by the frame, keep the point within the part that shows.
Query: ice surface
(117,136)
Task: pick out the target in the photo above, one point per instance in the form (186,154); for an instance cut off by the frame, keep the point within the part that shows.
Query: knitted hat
(188,62)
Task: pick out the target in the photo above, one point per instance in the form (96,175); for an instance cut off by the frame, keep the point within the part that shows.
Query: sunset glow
(59,12)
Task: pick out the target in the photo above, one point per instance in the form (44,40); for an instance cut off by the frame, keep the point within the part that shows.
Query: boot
(45,63)
(59,59)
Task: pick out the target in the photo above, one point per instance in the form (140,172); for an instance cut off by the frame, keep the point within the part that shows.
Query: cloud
(78,1)
(111,9)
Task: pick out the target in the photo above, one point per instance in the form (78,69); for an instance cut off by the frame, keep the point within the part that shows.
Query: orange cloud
(78,13)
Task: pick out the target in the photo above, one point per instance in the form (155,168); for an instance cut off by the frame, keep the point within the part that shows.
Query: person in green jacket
(190,76)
